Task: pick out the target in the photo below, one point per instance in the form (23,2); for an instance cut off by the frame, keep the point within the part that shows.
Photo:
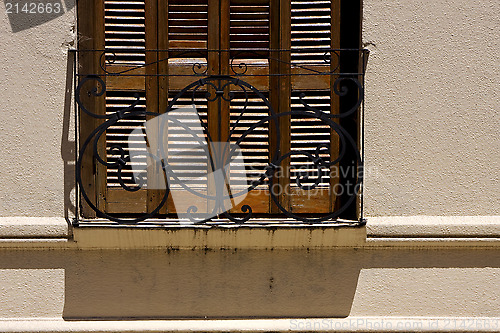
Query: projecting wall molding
(390,231)
(349,324)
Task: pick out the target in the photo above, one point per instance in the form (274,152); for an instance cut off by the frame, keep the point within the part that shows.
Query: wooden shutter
(91,37)
(314,25)
(304,27)
(137,25)
(125,42)
(250,29)
(172,24)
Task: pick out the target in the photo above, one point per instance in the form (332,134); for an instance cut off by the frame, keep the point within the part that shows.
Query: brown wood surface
(187,44)
(163,70)
(300,81)
(125,202)
(215,119)
(285,100)
(224,112)
(91,28)
(246,2)
(274,82)
(154,174)
(335,106)
(258,200)
(131,79)
(99,43)
(310,201)
(185,200)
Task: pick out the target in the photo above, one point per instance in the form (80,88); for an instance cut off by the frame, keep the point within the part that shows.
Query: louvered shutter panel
(249,29)
(186,36)
(173,25)
(308,28)
(125,44)
(314,26)
(249,24)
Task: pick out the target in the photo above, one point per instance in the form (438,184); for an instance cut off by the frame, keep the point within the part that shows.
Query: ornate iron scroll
(223,87)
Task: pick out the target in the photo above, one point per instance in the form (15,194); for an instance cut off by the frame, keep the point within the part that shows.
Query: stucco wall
(242,284)
(431,107)
(432,102)
(33,70)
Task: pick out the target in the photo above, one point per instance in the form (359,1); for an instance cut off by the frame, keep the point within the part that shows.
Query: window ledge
(219,237)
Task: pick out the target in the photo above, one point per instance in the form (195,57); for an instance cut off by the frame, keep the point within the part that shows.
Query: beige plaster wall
(432,101)
(34,108)
(163,284)
(431,111)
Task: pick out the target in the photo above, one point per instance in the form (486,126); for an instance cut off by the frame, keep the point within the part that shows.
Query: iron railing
(346,83)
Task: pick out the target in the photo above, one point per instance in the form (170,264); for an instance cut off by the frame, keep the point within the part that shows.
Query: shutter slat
(311,29)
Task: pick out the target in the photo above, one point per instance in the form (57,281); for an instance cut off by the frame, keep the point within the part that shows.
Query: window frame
(97,188)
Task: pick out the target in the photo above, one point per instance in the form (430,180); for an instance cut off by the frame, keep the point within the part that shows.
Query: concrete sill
(33,228)
(221,238)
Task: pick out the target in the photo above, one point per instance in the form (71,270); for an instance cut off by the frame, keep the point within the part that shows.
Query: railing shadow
(68,141)
(241,284)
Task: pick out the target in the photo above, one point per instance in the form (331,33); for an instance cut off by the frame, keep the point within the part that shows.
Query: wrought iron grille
(230,83)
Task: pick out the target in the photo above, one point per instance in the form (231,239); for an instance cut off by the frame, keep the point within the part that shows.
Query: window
(279,59)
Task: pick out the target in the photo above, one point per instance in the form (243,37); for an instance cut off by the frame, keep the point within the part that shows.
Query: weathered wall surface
(241,284)
(432,103)
(35,113)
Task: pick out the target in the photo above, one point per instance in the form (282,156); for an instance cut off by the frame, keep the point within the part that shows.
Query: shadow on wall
(221,284)
(68,141)
(26,14)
